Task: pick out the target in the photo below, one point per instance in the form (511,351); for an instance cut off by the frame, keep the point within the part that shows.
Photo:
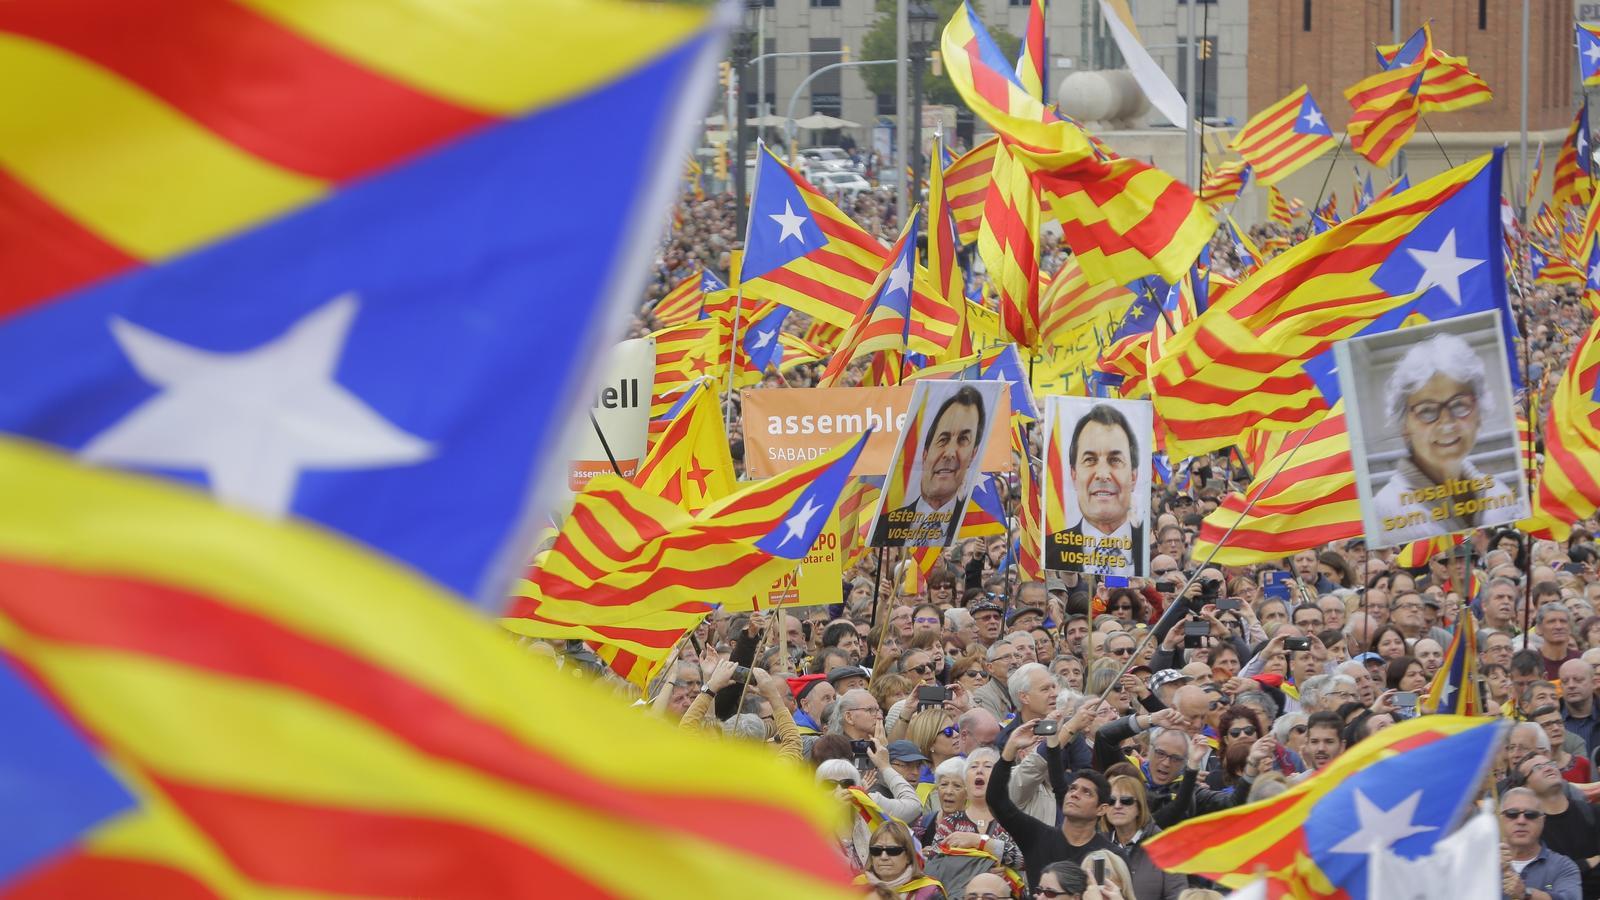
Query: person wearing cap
(847,678)
(1024,619)
(1165,683)
(990,616)
(813,695)
(909,762)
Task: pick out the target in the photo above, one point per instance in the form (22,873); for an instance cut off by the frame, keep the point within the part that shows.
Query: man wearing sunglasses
(1528,869)
(1570,827)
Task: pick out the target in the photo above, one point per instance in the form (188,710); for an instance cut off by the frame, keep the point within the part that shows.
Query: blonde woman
(1128,824)
(1116,872)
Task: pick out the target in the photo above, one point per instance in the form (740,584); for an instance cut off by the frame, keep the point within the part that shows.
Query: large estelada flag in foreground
(339,267)
(1403,789)
(358,282)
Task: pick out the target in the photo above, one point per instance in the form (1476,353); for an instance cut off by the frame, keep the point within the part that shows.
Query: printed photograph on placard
(935,465)
(1433,432)
(1097,485)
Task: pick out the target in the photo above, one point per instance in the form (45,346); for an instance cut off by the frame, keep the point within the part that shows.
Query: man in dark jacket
(1087,797)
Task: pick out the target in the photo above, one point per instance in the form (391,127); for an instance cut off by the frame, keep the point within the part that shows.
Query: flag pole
(605,445)
(1177,595)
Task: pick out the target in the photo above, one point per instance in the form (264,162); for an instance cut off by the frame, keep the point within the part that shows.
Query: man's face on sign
(949,454)
(1103,474)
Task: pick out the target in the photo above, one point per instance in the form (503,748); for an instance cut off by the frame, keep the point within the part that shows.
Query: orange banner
(785,427)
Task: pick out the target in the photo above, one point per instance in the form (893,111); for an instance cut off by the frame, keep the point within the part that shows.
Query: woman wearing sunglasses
(1127,823)
(1239,726)
(893,863)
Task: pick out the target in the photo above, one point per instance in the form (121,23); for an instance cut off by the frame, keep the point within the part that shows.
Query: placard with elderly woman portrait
(1433,433)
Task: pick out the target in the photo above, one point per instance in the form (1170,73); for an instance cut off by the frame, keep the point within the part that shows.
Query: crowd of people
(988,737)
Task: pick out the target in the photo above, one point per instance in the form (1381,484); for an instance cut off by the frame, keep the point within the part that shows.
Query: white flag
(1463,866)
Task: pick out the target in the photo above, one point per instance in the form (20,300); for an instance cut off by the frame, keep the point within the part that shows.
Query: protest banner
(816,580)
(1433,434)
(933,470)
(786,428)
(621,409)
(1097,485)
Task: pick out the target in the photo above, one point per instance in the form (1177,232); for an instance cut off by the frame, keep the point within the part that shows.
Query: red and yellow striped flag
(347,727)
(1285,136)
(1008,246)
(966,183)
(1303,498)
(1386,112)
(690,465)
(1572,185)
(1569,489)
(681,303)
(884,323)
(1221,184)
(1071,302)
(1030,518)
(944,271)
(1278,208)
(1030,58)
(1124,218)
(1447,84)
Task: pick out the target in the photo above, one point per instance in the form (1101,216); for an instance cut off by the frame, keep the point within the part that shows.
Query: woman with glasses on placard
(974,826)
(1437,399)
(1128,824)
(893,863)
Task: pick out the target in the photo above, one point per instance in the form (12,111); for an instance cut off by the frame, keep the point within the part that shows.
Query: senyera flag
(299,299)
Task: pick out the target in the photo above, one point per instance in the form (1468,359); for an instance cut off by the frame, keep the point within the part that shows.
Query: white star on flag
(1443,269)
(899,278)
(1445,693)
(789,222)
(1593,53)
(1381,828)
(763,338)
(1313,118)
(1594,273)
(252,420)
(796,524)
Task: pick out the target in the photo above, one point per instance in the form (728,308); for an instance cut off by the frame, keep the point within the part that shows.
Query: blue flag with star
(1455,257)
(798,530)
(1404,803)
(781,228)
(1139,318)
(1007,366)
(761,342)
(394,361)
(1588,55)
(1310,120)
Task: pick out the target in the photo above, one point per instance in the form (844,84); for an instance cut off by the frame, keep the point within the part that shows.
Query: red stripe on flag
(372,853)
(324,116)
(185,628)
(44,252)
(80,873)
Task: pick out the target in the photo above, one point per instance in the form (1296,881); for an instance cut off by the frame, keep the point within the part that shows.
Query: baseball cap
(1054,584)
(840,673)
(1367,657)
(905,751)
(1168,676)
(986,605)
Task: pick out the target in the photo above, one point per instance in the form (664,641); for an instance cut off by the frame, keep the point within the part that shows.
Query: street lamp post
(739,44)
(922,19)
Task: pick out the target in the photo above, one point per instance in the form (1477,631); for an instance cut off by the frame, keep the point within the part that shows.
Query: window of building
(820,3)
(1305,15)
(825,88)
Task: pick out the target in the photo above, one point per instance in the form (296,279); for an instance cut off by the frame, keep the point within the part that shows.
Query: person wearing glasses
(1063,881)
(1128,823)
(1528,869)
(893,863)
(1437,399)
(934,734)
(1571,825)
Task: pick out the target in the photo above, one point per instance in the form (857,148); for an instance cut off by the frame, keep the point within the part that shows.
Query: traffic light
(936,63)
(1206,48)
(844,53)
(721,168)
(724,73)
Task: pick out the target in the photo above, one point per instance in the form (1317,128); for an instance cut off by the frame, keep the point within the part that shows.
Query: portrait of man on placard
(1100,446)
(950,443)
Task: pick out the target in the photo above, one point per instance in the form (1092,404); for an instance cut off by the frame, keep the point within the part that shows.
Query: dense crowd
(986,737)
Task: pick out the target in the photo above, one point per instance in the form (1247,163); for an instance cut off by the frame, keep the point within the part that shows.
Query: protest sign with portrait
(934,467)
(1097,485)
(1433,435)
